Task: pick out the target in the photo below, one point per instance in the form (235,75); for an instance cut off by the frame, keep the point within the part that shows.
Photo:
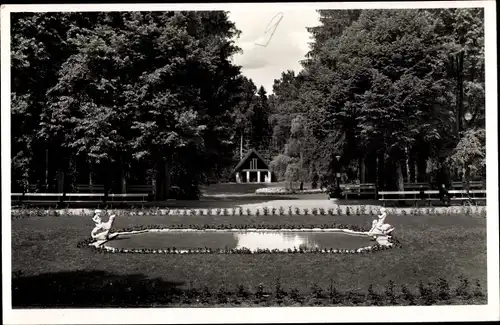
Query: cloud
(287,46)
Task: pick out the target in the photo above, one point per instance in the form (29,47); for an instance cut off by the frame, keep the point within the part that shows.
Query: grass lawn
(49,270)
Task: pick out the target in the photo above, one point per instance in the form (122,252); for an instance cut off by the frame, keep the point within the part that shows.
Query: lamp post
(337,174)
(468,118)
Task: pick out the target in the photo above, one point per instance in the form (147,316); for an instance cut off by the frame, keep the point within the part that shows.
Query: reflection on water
(263,240)
(241,239)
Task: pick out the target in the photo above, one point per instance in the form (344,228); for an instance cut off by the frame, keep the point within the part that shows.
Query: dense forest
(153,98)
(397,95)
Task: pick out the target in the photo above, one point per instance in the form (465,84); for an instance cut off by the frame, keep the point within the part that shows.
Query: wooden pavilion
(253,168)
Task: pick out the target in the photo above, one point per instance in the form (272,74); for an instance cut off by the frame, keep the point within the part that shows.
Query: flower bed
(283,190)
(335,210)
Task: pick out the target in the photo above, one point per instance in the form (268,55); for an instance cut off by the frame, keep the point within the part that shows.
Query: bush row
(432,293)
(264,211)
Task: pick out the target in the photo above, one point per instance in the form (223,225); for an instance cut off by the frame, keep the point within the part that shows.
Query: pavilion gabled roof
(247,156)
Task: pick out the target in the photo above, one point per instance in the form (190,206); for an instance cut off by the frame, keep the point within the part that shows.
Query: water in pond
(240,239)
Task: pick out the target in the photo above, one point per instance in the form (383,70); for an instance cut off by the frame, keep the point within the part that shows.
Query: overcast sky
(285,49)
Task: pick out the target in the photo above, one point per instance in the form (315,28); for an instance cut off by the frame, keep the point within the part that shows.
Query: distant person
(314,183)
(444,195)
(422,193)
(301,186)
(322,182)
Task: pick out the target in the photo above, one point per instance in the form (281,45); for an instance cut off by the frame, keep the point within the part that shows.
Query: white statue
(379,227)
(101,229)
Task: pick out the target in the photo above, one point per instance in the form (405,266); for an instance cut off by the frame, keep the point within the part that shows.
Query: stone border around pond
(383,243)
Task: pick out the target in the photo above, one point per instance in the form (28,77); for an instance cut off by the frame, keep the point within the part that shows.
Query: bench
(416,186)
(386,196)
(84,197)
(37,197)
(140,189)
(432,195)
(360,190)
(128,198)
(464,195)
(90,188)
(479,185)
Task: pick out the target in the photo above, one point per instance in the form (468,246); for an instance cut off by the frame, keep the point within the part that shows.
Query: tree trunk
(362,170)
(106,167)
(90,173)
(407,165)
(123,177)
(379,172)
(399,174)
(421,174)
(47,170)
(163,179)
(415,171)
(167,167)
(241,146)
(159,180)
(460,90)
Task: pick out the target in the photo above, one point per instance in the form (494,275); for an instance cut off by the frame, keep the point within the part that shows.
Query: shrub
(273,211)
(322,211)
(265,211)
(372,297)
(306,211)
(297,211)
(407,295)
(443,289)
(249,212)
(257,212)
(205,295)
(225,212)
(240,211)
(339,211)
(389,292)
(241,291)
(279,292)
(281,211)
(478,290)
(426,293)
(295,295)
(314,211)
(222,295)
(316,291)
(260,293)
(348,211)
(463,288)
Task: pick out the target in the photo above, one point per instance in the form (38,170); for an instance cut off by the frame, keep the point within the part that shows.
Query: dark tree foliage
(387,91)
(148,94)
